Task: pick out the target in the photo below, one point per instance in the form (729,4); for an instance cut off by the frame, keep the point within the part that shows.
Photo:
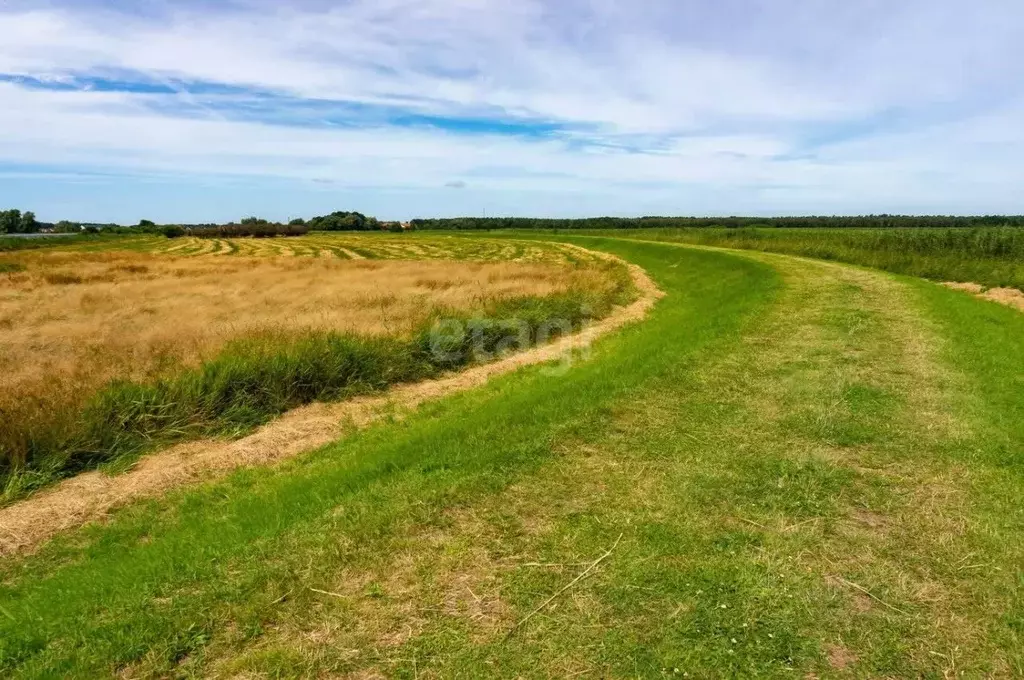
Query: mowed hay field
(77,320)
(348,246)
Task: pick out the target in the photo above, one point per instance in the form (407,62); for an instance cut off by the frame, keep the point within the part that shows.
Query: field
(342,246)
(787,467)
(84,325)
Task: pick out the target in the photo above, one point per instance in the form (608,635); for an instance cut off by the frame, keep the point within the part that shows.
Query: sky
(211,110)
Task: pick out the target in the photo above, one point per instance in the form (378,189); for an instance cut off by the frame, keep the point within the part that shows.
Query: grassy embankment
(802,468)
(992,257)
(109,355)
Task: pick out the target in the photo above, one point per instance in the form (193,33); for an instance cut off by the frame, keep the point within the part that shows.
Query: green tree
(28,223)
(297,222)
(341,221)
(10,221)
(147,223)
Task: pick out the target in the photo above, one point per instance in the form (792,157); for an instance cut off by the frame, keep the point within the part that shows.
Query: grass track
(779,439)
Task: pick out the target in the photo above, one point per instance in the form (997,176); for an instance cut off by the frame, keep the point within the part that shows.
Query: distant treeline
(18,222)
(336,221)
(811,222)
(15,221)
(249,227)
(257,227)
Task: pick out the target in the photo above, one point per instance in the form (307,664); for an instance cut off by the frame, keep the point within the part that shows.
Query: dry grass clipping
(1011,297)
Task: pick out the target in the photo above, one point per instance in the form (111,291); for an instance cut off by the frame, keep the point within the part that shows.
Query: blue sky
(206,111)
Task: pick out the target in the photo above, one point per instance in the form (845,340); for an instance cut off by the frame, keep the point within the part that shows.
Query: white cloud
(721,99)
(455,55)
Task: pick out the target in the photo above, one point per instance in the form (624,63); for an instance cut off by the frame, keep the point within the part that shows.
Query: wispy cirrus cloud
(683,106)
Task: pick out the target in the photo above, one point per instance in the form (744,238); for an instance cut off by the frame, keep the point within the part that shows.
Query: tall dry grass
(83,319)
(76,324)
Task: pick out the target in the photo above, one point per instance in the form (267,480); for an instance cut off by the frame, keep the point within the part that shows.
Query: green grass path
(812,468)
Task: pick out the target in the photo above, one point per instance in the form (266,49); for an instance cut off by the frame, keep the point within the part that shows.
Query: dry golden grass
(90,496)
(1010,297)
(73,321)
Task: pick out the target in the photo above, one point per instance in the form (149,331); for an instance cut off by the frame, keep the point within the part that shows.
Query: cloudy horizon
(205,111)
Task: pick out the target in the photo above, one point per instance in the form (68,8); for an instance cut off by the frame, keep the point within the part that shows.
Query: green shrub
(173,232)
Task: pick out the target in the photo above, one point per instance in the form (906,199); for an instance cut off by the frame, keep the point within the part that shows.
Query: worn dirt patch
(870,519)
(88,497)
(1011,297)
(839,657)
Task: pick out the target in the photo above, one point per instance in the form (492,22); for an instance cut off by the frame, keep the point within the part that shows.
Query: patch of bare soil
(870,519)
(24,526)
(1011,297)
(839,657)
